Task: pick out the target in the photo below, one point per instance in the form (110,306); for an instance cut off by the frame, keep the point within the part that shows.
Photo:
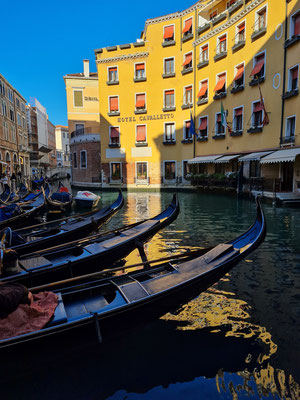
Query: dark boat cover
(11,296)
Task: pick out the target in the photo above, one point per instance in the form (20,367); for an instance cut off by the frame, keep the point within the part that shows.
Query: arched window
(15,159)
(7,157)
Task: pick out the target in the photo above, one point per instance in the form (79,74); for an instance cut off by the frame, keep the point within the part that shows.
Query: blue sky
(43,41)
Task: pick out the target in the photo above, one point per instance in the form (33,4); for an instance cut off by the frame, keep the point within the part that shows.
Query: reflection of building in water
(139,205)
(215,309)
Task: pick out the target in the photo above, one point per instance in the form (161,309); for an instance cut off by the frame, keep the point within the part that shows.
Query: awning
(188,59)
(226,159)
(204,159)
(44,149)
(239,73)
(203,124)
(114,132)
(203,89)
(281,156)
(169,32)
(187,25)
(140,67)
(257,67)
(141,133)
(238,111)
(254,156)
(221,83)
(140,101)
(114,103)
(258,107)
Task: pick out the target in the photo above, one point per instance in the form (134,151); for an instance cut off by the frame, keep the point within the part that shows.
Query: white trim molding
(122,58)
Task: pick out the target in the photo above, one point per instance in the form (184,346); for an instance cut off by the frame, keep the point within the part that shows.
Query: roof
(61,126)
(288,155)
(81,75)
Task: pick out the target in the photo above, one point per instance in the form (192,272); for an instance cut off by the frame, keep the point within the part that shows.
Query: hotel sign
(88,98)
(144,118)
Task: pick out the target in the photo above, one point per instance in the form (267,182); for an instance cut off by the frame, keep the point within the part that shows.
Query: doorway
(287,174)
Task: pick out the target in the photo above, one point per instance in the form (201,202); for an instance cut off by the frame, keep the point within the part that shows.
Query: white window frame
(165,26)
(217,79)
(184,57)
(254,62)
(78,123)
(141,180)
(201,52)
(77,90)
(292,23)
(136,133)
(108,68)
(134,71)
(83,151)
(137,109)
(236,69)
(73,164)
(184,95)
(164,60)
(216,121)
(183,130)
(182,166)
(207,118)
(290,77)
(236,41)
(173,133)
(167,90)
(110,172)
(170,180)
(109,131)
(200,85)
(234,119)
(218,43)
(256,29)
(183,24)
(286,125)
(108,99)
(252,115)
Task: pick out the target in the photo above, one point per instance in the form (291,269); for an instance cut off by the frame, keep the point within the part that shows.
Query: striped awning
(278,156)
(226,159)
(254,156)
(204,159)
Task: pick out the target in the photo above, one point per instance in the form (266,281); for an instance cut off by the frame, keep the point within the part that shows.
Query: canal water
(237,340)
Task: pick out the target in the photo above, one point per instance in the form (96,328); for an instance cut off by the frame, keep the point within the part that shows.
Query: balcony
(256,81)
(202,64)
(204,27)
(294,39)
(237,89)
(291,93)
(186,70)
(220,95)
(202,101)
(79,132)
(187,37)
(236,133)
(219,18)
(235,7)
(238,45)
(258,32)
(168,43)
(220,55)
(255,129)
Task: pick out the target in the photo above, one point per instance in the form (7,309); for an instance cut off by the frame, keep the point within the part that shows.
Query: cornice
(229,23)
(122,58)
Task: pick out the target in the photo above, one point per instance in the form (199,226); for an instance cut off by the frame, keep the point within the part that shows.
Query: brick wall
(93,170)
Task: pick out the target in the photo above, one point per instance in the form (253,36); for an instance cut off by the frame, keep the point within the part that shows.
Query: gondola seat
(60,315)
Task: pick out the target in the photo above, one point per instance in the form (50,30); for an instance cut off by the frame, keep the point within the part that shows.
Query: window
(293,78)
(240,35)
(79,128)
(187,135)
(115,171)
(5,130)
(2,88)
(258,70)
(4,110)
(75,159)
(254,169)
(239,76)
(13,134)
(78,98)
(203,92)
(83,160)
(19,119)
(188,95)
(140,71)
(23,107)
(203,126)
(64,135)
(12,114)
(170,173)
(222,44)
(220,130)
(290,126)
(17,102)
(257,114)
(141,134)
(188,27)
(113,74)
(238,119)
(220,168)
(140,102)
(169,66)
(10,95)
(170,132)
(186,169)
(113,104)
(141,170)
(260,20)
(169,98)
(188,61)
(169,33)
(114,135)
(204,53)
(24,123)
(221,84)
(295,25)
(213,14)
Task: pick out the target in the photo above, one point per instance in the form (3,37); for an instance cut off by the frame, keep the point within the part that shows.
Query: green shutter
(78,101)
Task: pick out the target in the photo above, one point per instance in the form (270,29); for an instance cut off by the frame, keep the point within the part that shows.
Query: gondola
(60,200)
(87,255)
(5,195)
(75,227)
(105,307)
(19,215)
(15,197)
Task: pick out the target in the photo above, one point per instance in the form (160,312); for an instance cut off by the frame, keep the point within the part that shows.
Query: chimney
(86,68)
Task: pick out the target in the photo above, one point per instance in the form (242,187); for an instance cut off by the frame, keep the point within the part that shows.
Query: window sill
(236,133)
(234,7)
(138,44)
(219,18)
(141,144)
(169,181)
(291,93)
(291,41)
(255,82)
(115,181)
(202,101)
(144,111)
(256,34)
(190,140)
(238,45)
(110,83)
(114,145)
(113,114)
(187,37)
(218,96)
(169,43)
(187,71)
(255,129)
(169,142)
(203,28)
(142,79)
(171,75)
(186,106)
(219,136)
(287,140)
(202,139)
(219,56)
(168,109)
(237,89)
(202,64)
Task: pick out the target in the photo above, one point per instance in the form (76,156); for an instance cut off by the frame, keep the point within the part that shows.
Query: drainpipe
(284,74)
(195,67)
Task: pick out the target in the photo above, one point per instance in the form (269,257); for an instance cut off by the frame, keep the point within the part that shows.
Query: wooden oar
(188,254)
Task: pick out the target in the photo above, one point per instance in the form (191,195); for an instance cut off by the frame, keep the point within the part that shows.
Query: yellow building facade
(229,67)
